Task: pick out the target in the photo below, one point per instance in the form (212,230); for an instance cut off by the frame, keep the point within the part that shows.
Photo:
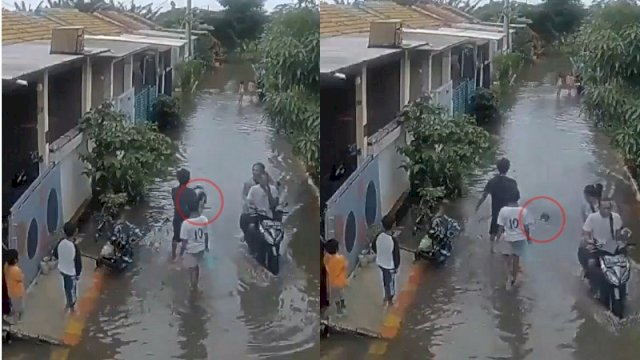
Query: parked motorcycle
(437,244)
(615,268)
(270,233)
(117,253)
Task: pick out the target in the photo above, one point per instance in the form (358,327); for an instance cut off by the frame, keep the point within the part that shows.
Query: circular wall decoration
(32,239)
(371,204)
(53,216)
(350,232)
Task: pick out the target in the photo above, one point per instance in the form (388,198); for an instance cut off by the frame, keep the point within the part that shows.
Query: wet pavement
(464,311)
(147,312)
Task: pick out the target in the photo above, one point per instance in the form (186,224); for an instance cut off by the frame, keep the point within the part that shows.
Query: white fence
(125,103)
(443,95)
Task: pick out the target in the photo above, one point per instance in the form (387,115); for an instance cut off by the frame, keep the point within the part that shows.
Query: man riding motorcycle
(246,217)
(262,201)
(600,228)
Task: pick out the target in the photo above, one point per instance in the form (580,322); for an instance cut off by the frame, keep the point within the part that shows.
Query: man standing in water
(502,189)
(181,210)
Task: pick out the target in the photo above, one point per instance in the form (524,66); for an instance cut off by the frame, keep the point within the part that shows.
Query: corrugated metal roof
(152,40)
(29,57)
(343,19)
(436,42)
(340,52)
(457,32)
(125,21)
(117,49)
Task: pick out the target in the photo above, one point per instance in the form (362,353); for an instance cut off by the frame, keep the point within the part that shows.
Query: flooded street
(147,312)
(463,311)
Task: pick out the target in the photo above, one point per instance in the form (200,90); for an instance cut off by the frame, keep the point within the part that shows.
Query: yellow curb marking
(393,318)
(76,323)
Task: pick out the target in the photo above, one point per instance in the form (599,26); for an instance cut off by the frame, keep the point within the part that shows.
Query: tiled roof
(92,24)
(343,19)
(391,10)
(441,12)
(139,19)
(18,28)
(127,22)
(460,13)
(122,19)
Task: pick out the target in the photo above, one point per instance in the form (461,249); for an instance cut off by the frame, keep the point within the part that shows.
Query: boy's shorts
(513,247)
(192,260)
(336,294)
(17,304)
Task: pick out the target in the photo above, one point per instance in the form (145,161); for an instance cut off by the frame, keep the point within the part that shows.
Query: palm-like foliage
(146,11)
(21,6)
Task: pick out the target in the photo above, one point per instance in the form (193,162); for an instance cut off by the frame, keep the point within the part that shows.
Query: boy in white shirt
(513,236)
(194,236)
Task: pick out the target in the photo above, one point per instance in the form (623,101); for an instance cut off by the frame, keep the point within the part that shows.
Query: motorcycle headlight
(612,277)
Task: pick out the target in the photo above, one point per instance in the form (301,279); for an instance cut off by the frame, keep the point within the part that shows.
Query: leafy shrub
(484,106)
(165,112)
(287,60)
(443,150)
(189,73)
(124,158)
(608,54)
(507,67)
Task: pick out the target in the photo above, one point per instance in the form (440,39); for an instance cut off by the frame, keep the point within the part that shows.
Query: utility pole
(507,18)
(189,20)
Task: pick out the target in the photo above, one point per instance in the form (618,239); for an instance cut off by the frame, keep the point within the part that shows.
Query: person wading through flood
(194,235)
(502,190)
(180,211)
(387,258)
(513,236)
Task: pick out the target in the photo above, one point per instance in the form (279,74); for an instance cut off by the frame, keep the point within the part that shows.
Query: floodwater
(464,311)
(147,312)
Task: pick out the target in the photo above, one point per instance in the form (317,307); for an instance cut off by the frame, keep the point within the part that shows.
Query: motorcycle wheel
(617,305)
(273,261)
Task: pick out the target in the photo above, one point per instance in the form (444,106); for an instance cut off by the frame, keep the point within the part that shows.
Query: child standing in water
(336,266)
(241,92)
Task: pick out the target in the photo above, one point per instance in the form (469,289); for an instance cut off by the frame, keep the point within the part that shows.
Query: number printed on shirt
(199,233)
(514,223)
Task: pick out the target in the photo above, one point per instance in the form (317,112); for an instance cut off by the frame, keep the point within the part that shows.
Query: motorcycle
(117,253)
(615,268)
(436,246)
(270,233)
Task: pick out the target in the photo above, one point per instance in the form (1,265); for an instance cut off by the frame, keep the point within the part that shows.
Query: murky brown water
(463,310)
(147,313)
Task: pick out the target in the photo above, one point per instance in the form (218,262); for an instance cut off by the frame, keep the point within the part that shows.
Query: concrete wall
(65,100)
(436,71)
(100,81)
(118,78)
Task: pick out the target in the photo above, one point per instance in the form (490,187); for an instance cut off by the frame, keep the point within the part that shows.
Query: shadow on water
(147,312)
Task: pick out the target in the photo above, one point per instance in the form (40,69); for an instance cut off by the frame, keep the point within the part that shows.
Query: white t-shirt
(194,234)
(509,218)
(600,227)
(258,197)
(67,257)
(384,251)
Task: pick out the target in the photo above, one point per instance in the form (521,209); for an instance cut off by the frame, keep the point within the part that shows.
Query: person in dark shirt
(186,197)
(502,190)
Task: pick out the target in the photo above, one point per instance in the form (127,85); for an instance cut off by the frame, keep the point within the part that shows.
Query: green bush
(189,73)
(607,51)
(484,106)
(289,76)
(443,151)
(507,67)
(165,112)
(123,158)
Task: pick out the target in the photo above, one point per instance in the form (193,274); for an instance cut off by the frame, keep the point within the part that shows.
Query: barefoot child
(336,266)
(15,282)
(513,236)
